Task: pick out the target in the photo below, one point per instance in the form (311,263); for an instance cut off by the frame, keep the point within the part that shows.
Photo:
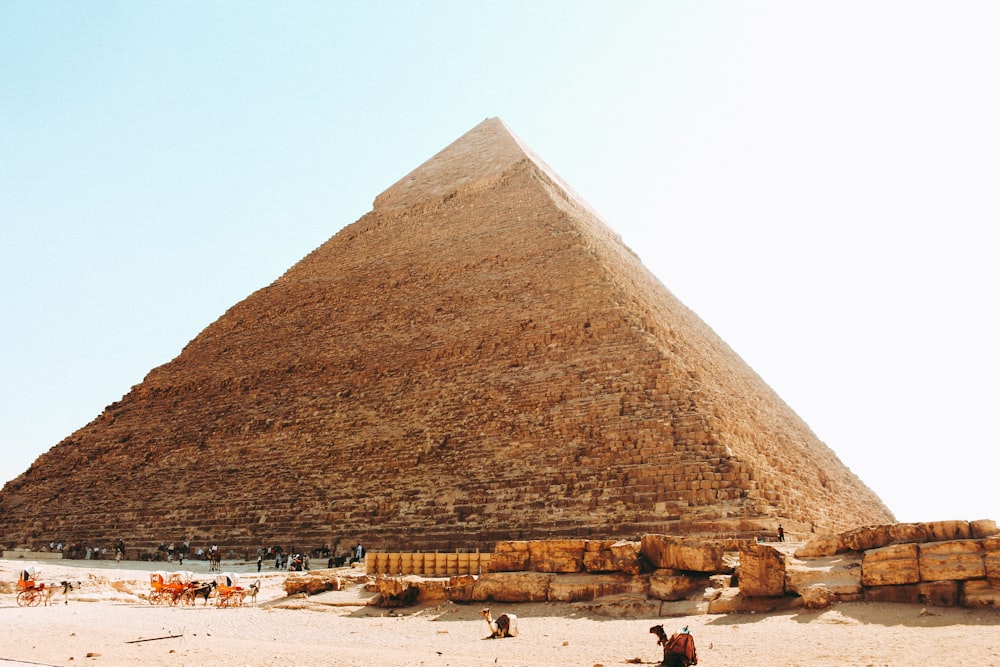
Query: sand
(107,622)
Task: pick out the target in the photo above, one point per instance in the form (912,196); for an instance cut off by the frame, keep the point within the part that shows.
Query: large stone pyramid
(477,358)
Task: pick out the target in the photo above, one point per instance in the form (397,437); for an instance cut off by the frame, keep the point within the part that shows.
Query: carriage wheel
(32,598)
(23,597)
(156,597)
(222,600)
(237,600)
(187,598)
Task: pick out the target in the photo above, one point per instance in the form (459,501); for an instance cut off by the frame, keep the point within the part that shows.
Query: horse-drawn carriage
(172,588)
(30,591)
(228,591)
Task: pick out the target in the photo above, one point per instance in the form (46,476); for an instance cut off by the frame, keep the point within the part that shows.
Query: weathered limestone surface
(579,587)
(513,587)
(817,597)
(478,358)
(510,556)
(674,585)
(677,553)
(954,560)
(981,593)
(873,537)
(762,571)
(313,582)
(991,557)
(940,531)
(556,555)
(612,556)
(840,575)
(732,600)
(983,528)
(891,566)
(954,572)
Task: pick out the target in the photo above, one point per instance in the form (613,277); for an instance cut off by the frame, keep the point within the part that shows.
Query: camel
(505,625)
(678,649)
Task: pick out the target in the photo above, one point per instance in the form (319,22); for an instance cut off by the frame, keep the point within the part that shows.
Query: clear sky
(818,181)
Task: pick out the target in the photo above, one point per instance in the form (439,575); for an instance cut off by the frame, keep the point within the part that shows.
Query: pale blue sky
(818,181)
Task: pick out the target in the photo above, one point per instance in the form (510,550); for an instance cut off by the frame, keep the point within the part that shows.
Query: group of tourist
(293,559)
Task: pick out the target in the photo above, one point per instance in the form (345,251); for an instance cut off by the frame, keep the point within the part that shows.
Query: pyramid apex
(478,157)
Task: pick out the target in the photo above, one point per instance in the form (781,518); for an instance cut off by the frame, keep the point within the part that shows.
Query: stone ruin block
(817,597)
(732,600)
(562,556)
(868,537)
(983,528)
(612,556)
(903,533)
(840,574)
(459,588)
(954,560)
(935,593)
(509,556)
(678,553)
(981,593)
(581,587)
(991,557)
(672,585)
(762,571)
(893,565)
(823,545)
(513,587)
(397,592)
(313,583)
(942,531)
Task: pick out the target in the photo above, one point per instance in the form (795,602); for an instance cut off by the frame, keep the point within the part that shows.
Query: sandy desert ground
(108,622)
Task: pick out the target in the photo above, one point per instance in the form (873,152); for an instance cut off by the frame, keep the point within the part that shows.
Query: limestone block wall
(708,576)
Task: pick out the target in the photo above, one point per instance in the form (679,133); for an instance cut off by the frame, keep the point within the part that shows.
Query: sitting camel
(505,625)
(678,649)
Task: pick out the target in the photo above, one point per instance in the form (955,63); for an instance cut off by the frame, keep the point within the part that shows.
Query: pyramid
(478,358)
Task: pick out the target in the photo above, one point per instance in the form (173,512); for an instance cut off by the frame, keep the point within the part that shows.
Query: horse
(203,590)
(251,592)
(66,587)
